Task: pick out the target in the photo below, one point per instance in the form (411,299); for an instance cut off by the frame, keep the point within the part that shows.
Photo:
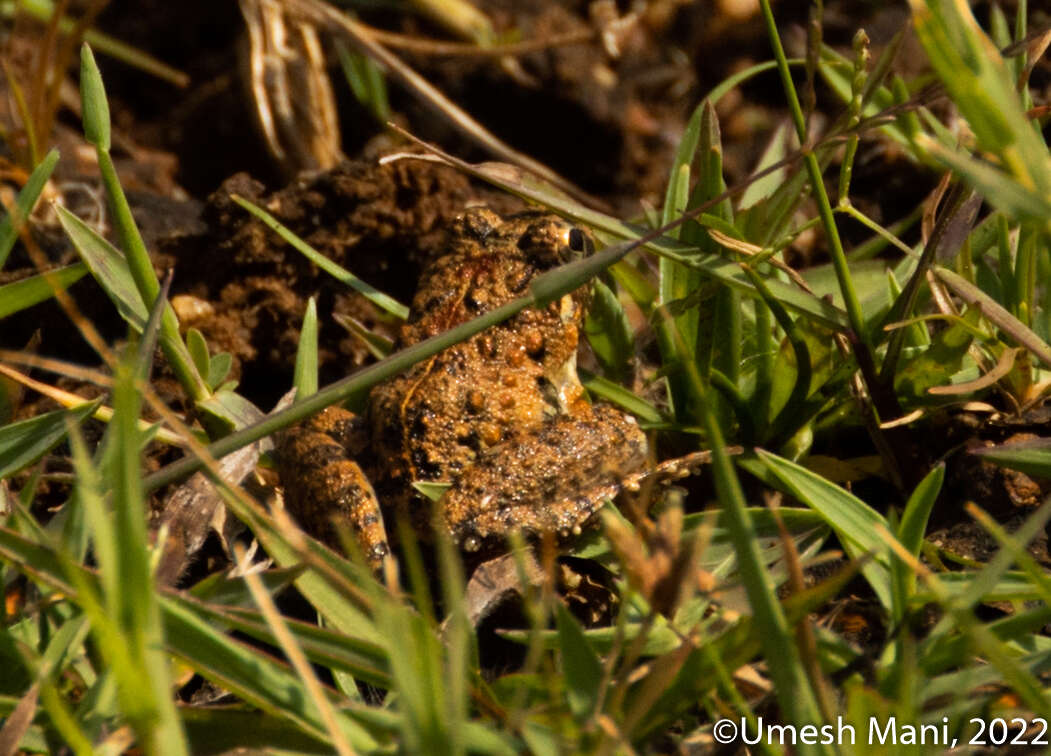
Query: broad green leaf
(935,365)
(218,368)
(231,408)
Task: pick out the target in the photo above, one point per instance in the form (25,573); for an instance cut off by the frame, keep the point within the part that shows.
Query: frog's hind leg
(325,488)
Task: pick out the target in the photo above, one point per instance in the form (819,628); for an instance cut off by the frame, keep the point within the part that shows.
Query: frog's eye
(576,240)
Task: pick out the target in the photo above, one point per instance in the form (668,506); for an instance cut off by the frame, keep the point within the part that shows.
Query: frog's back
(433,421)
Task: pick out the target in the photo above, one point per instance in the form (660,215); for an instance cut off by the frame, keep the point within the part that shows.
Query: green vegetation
(751,354)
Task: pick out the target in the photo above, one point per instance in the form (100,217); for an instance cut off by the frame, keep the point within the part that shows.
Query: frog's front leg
(325,486)
(548,480)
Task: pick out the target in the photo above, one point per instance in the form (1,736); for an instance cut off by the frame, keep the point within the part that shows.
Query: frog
(500,418)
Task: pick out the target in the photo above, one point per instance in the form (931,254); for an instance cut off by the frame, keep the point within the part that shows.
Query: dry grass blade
(439,47)
(291,89)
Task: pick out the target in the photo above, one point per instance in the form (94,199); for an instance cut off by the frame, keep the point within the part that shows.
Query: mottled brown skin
(502,417)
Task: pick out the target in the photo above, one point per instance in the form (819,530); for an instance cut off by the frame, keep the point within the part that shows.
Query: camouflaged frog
(501,417)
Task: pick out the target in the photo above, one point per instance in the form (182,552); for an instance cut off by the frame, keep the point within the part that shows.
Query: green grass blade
(853,520)
(910,533)
(981,86)
(918,509)
(304,376)
(609,332)
(1033,457)
(24,442)
(249,674)
(334,650)
(23,207)
(219,730)
(580,665)
(144,689)
(996,314)
(20,295)
(383,301)
(108,267)
(95,115)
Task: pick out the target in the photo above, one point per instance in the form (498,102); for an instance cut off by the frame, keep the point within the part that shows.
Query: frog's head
(544,240)
(548,241)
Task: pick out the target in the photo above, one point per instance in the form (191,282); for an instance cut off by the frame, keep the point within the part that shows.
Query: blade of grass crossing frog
(27,198)
(304,376)
(383,301)
(21,295)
